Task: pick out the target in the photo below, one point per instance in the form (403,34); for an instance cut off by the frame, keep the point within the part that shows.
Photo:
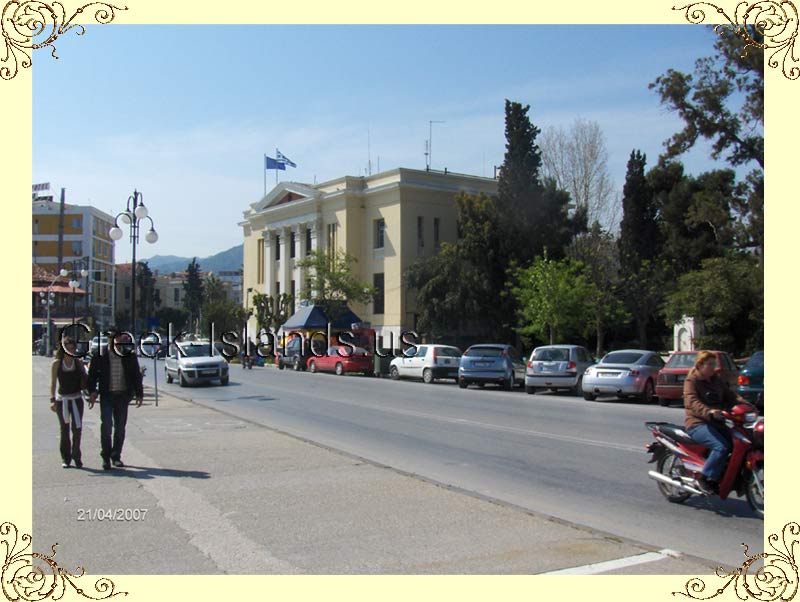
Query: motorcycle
(679,459)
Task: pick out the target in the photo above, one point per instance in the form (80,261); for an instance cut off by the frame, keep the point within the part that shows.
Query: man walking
(116,373)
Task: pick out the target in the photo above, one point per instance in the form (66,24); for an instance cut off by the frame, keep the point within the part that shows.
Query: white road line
(619,563)
(209,530)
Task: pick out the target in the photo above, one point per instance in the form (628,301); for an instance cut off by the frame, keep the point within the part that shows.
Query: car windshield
(681,360)
(622,358)
(448,352)
(756,361)
(484,352)
(196,350)
(551,354)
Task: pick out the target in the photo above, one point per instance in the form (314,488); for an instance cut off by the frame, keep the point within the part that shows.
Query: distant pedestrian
(115,373)
(67,381)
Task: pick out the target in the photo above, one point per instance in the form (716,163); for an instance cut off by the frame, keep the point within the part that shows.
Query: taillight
(572,366)
(530,365)
(434,355)
(743,380)
(634,373)
(505,354)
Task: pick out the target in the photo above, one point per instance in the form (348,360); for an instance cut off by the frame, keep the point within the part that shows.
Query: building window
(36,226)
(308,241)
(77,222)
(435,232)
(420,231)
(77,247)
(277,248)
(292,242)
(377,300)
(380,230)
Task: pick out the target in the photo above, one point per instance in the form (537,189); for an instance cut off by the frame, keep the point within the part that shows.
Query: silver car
(193,362)
(628,372)
(557,367)
(487,363)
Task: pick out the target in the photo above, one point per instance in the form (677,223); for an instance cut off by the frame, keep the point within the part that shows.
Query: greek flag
(270,163)
(281,158)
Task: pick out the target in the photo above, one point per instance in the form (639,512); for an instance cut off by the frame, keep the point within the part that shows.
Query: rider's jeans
(708,435)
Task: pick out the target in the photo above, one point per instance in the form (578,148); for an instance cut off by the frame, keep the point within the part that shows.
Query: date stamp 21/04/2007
(111,514)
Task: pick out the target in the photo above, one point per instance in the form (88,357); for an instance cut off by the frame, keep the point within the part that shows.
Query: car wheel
(339,369)
(312,367)
(663,401)
(481,385)
(589,396)
(394,373)
(223,381)
(462,384)
(578,388)
(280,364)
(649,392)
(427,376)
(508,385)
(181,380)
(530,390)
(168,376)
(296,363)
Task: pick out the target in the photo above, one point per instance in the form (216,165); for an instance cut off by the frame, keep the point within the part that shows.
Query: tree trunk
(600,331)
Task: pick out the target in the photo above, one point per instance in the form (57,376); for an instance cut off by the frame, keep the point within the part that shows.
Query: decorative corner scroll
(35,577)
(29,25)
(775,579)
(775,20)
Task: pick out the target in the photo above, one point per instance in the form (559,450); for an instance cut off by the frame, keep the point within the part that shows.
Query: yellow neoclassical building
(386,221)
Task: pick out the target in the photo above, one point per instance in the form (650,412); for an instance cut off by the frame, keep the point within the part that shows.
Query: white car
(194,362)
(429,362)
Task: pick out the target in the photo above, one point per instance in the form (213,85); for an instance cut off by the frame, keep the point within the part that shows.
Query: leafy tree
(172,315)
(147,298)
(642,274)
(552,298)
(193,287)
(726,293)
(270,312)
(330,282)
(597,251)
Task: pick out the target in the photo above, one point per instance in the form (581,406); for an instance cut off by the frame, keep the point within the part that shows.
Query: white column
(286,261)
(269,262)
(300,234)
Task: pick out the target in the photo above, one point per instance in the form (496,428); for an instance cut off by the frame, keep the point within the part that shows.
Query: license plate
(680,378)
(208,372)
(608,374)
(481,364)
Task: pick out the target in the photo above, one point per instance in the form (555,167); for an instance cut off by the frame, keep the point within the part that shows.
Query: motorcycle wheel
(669,465)
(755,490)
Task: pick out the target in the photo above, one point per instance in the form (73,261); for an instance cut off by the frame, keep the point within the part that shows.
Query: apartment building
(386,221)
(75,239)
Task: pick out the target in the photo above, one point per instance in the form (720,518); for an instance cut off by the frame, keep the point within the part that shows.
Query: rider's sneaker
(705,485)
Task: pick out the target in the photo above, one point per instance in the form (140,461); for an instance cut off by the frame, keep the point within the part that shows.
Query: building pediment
(283,194)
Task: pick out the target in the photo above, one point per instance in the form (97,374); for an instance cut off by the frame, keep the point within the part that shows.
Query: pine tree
(193,287)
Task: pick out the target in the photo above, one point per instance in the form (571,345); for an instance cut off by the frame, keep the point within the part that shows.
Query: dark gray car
(491,363)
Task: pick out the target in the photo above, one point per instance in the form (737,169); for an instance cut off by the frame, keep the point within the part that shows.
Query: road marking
(209,530)
(619,563)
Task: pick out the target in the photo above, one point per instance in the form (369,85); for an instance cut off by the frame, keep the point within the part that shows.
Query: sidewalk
(207,493)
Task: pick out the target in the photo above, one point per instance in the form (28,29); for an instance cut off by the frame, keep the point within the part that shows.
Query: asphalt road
(554,454)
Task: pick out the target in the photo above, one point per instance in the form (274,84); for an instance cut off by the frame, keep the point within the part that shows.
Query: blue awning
(313,318)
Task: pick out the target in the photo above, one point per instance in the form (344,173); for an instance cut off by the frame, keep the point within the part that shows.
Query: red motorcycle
(679,459)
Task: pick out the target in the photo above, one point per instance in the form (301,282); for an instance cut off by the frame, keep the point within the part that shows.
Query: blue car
(751,380)
(491,363)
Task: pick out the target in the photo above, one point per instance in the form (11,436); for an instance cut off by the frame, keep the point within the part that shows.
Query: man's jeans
(717,442)
(113,411)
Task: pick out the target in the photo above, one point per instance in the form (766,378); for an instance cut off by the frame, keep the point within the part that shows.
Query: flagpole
(265,174)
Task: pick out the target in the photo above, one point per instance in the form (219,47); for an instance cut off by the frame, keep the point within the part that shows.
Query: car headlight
(750,416)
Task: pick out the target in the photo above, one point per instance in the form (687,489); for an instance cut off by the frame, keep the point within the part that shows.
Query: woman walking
(68,379)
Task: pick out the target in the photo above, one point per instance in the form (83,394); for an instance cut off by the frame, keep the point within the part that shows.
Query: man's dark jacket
(100,372)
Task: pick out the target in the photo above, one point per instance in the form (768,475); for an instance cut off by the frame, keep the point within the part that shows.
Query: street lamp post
(73,284)
(48,300)
(135,211)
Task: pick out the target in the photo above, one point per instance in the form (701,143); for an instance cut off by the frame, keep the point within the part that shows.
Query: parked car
(194,362)
(624,373)
(298,351)
(669,386)
(491,363)
(557,367)
(429,362)
(341,359)
(750,382)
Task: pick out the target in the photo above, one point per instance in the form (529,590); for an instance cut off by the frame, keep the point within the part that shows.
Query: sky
(185,113)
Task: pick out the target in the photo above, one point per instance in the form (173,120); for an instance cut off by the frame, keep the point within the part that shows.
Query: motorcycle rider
(705,396)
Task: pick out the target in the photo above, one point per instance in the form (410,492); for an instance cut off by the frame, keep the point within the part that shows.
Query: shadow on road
(146,472)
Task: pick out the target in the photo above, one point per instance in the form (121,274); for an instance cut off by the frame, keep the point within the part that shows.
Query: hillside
(224,261)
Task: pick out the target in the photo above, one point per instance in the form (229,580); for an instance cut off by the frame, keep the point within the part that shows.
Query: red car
(669,385)
(341,359)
